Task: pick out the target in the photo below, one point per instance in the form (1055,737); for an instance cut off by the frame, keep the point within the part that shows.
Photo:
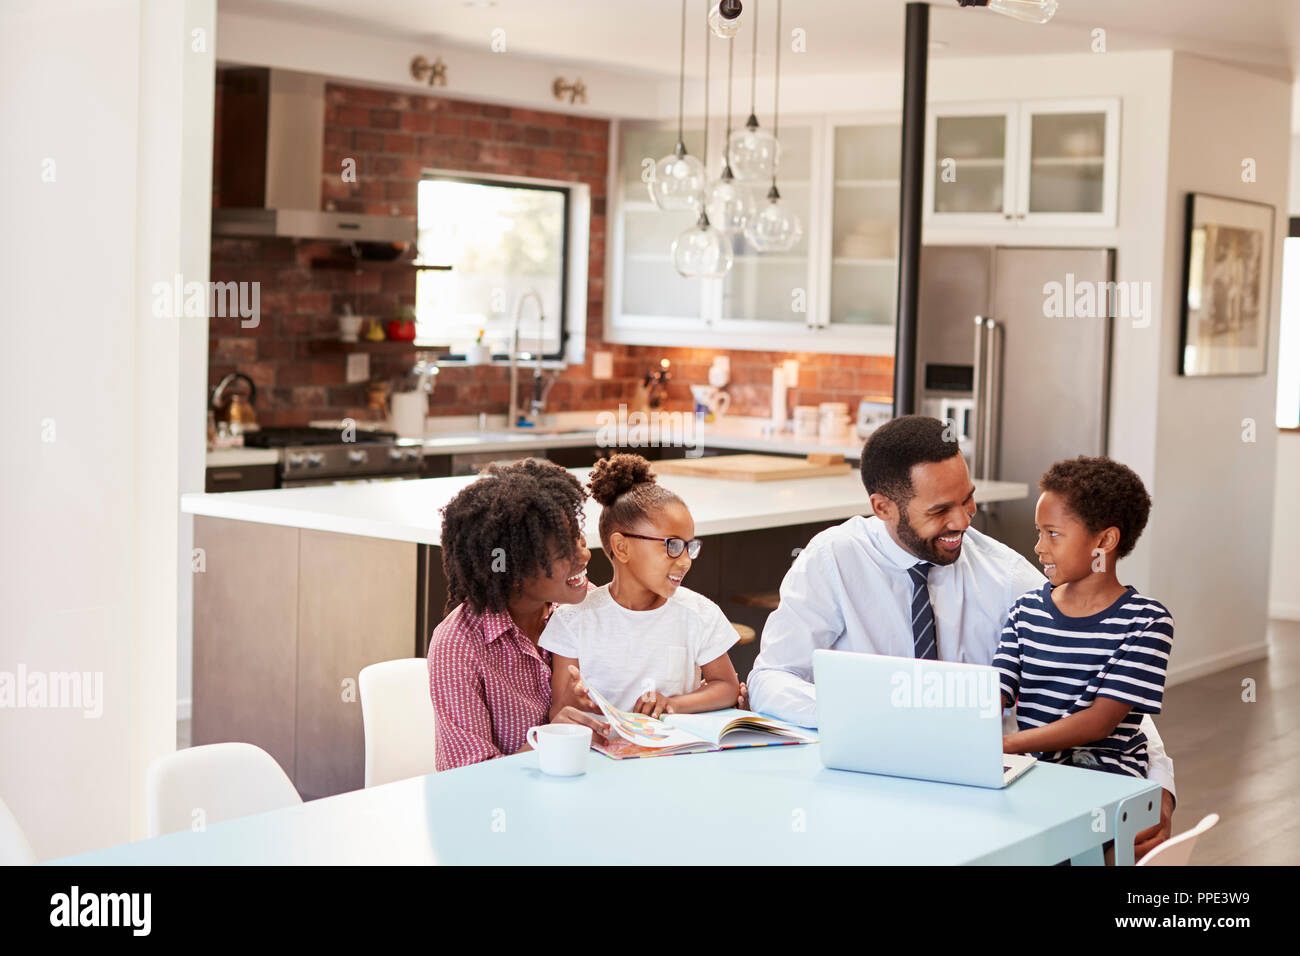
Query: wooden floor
(1240,760)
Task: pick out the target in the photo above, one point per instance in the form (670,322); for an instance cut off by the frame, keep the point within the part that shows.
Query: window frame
(520,182)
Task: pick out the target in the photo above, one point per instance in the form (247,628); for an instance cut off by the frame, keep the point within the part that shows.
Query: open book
(639,735)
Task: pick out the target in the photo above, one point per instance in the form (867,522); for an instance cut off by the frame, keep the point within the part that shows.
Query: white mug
(561,748)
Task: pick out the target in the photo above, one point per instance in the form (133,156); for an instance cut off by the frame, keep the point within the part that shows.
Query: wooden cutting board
(755,467)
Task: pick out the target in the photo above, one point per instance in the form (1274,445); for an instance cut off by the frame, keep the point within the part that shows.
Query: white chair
(1176,851)
(397,715)
(14,848)
(223,781)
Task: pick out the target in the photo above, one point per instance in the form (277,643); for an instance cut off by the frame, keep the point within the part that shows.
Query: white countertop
(579,430)
(408,510)
(747,434)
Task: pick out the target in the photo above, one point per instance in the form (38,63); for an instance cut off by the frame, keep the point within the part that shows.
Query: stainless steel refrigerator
(1007,355)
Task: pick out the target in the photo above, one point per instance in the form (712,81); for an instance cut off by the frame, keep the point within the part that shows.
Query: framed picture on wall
(1227,278)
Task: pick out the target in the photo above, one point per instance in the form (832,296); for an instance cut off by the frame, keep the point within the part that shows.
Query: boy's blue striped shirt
(1053,666)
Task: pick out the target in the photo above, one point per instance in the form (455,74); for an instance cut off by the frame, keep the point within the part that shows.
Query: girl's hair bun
(618,474)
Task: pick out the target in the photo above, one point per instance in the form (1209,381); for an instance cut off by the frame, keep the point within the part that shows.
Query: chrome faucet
(541,383)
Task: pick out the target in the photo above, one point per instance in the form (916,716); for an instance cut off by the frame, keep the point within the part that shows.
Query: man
(913,580)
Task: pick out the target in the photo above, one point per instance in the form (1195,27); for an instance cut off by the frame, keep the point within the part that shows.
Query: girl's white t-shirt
(622,653)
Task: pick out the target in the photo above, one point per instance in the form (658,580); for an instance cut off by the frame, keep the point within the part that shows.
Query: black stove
(290,436)
(323,456)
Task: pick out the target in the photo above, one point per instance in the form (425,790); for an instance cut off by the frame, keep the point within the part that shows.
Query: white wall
(1284,583)
(90,581)
(1212,526)
(472,73)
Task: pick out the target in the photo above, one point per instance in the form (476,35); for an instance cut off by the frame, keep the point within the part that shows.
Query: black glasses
(674,546)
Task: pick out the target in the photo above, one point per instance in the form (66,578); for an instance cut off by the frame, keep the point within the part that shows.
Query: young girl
(512,550)
(640,639)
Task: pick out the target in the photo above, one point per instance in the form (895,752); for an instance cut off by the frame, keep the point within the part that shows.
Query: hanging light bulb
(730,204)
(775,228)
(702,251)
(1027,11)
(679,178)
(753,154)
(724,19)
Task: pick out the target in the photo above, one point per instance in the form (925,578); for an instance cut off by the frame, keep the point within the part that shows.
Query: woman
(512,550)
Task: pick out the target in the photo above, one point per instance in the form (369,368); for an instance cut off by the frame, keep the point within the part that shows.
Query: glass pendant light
(1027,11)
(679,178)
(703,251)
(755,152)
(775,227)
(724,19)
(730,204)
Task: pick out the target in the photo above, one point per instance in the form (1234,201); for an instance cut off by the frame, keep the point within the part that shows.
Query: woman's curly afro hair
(508,527)
(1102,494)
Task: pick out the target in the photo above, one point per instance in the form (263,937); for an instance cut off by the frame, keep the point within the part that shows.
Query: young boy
(1083,657)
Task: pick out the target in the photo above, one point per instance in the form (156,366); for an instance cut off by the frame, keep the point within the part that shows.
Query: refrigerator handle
(977,393)
(993,399)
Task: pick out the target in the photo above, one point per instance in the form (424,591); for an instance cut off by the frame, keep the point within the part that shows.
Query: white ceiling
(843,36)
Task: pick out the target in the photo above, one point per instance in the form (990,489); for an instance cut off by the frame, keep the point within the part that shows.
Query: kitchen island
(298,589)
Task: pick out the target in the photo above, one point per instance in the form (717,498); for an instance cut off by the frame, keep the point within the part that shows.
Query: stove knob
(295,459)
(413,455)
(395,454)
(358,457)
(315,460)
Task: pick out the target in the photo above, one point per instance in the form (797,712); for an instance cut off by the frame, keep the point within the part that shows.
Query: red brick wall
(393,137)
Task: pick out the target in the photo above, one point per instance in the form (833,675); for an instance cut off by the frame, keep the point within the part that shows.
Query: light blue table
(759,806)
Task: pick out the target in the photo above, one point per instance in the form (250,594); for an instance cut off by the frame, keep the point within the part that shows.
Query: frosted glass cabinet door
(772,288)
(970,163)
(1069,163)
(864,224)
(650,289)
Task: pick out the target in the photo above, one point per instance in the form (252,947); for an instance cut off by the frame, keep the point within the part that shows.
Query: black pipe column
(912,172)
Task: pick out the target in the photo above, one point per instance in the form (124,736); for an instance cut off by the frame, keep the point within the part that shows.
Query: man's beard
(923,549)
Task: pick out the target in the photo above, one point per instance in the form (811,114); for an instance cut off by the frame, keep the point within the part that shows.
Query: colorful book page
(620,749)
(640,729)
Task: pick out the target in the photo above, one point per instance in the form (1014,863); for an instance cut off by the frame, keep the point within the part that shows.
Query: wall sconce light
(575,91)
(436,71)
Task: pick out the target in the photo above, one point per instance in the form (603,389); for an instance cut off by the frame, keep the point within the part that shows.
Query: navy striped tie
(923,638)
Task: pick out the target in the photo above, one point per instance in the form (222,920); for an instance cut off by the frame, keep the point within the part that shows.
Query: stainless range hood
(269,175)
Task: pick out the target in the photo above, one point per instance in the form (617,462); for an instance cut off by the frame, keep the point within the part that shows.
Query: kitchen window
(490,241)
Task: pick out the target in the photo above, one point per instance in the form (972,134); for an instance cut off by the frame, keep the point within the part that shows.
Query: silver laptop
(928,720)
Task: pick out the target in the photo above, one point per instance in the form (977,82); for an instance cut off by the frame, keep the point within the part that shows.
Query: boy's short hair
(899,444)
(1102,493)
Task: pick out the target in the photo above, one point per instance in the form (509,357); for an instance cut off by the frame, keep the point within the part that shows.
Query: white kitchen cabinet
(860,246)
(1039,163)
(840,177)
(766,293)
(765,299)
(970,163)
